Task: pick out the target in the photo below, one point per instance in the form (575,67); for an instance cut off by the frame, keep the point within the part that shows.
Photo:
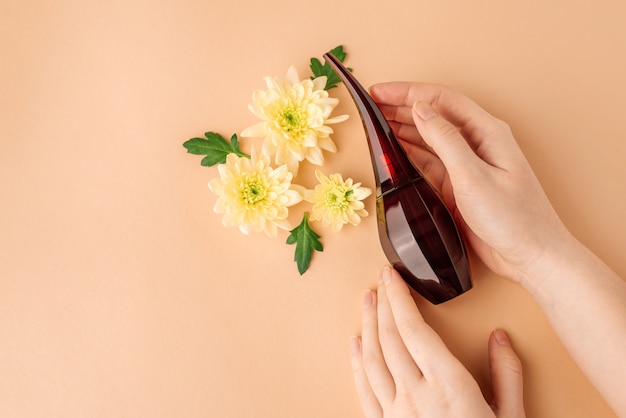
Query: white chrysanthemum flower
(337,202)
(253,195)
(294,119)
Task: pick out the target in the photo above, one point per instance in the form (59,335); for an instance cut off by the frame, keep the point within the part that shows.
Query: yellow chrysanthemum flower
(294,119)
(337,202)
(253,195)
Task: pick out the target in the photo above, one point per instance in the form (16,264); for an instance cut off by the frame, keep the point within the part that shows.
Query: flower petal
(292,75)
(314,156)
(337,119)
(319,83)
(257,130)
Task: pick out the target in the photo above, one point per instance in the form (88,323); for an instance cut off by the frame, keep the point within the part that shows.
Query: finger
(428,164)
(404,130)
(446,140)
(478,127)
(425,346)
(506,377)
(369,402)
(421,154)
(459,109)
(396,93)
(408,133)
(400,119)
(401,365)
(401,114)
(374,364)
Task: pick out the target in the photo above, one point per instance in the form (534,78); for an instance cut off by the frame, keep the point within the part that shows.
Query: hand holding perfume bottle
(416,230)
(401,367)
(481,172)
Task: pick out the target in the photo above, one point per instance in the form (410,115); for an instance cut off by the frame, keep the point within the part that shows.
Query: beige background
(121,295)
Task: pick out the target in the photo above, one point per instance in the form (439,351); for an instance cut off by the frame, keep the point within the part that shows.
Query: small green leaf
(306,241)
(319,70)
(215,148)
(339,53)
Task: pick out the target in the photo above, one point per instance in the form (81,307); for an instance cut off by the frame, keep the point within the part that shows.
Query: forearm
(585,302)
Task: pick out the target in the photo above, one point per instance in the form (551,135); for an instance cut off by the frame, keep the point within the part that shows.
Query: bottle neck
(392,167)
(391,164)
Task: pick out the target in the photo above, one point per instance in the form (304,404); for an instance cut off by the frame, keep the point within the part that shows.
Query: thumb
(445,139)
(506,377)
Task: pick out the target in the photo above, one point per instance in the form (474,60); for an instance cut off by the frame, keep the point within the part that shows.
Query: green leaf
(215,148)
(306,241)
(319,70)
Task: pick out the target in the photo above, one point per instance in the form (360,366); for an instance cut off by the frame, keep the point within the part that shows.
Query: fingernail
(386,275)
(355,345)
(368,298)
(424,110)
(373,90)
(501,337)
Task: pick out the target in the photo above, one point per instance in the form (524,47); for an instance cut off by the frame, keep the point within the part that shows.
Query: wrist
(552,262)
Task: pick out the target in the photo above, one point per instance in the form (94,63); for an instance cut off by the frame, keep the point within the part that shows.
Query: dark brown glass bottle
(416,230)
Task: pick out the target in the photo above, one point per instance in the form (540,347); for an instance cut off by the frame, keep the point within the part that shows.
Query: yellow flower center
(292,120)
(337,198)
(253,190)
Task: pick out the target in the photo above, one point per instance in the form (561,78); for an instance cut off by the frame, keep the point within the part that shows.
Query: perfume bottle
(416,230)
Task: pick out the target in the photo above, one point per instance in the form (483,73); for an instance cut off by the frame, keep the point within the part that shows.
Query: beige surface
(120,292)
